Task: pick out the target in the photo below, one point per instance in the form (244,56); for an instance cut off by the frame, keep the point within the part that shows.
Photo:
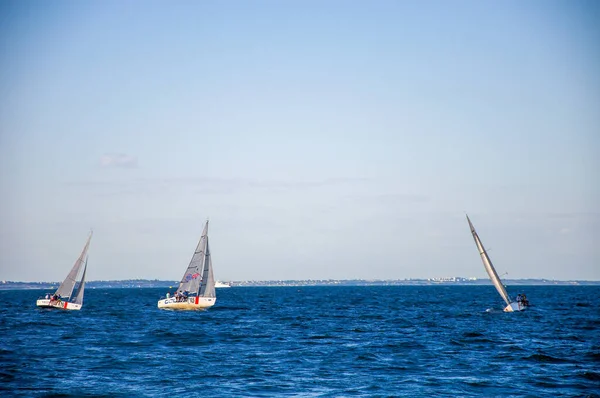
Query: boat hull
(61,305)
(221,285)
(192,303)
(514,307)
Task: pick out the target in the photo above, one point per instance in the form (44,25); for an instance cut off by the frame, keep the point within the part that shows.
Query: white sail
(65,290)
(207,287)
(488,266)
(79,297)
(193,277)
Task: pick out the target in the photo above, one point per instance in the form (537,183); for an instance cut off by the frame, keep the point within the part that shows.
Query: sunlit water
(306,341)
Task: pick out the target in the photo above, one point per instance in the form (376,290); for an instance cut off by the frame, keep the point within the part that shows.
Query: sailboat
(64,298)
(196,290)
(511,305)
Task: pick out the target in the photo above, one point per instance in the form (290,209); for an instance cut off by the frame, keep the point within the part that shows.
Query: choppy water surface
(306,341)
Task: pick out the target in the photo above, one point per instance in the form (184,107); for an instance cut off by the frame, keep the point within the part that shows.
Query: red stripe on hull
(65,307)
(197,299)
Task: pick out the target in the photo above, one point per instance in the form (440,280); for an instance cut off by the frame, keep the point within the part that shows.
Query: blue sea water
(306,341)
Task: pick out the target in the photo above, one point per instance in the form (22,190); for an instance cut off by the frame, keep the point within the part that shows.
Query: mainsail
(207,287)
(79,297)
(65,290)
(488,265)
(198,278)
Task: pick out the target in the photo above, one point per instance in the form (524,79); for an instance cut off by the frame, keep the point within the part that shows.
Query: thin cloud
(292,185)
(204,185)
(391,198)
(119,160)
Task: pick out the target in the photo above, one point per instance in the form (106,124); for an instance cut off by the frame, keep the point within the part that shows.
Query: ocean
(443,341)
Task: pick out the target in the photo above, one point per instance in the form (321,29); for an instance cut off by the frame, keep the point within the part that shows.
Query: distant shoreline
(456,281)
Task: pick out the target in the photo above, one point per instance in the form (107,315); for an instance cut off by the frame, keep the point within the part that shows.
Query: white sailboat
(63,298)
(511,305)
(196,290)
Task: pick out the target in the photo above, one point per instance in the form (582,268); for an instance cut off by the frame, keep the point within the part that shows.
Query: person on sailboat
(522,300)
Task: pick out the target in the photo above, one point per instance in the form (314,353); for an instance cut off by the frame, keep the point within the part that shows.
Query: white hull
(62,305)
(514,307)
(192,303)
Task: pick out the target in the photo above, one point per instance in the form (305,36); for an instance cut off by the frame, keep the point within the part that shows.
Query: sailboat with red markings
(64,297)
(196,290)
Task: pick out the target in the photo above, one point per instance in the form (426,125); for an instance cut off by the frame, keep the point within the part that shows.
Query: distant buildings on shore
(455,280)
(146,283)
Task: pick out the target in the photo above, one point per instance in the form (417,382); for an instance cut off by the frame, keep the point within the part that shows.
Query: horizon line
(436,279)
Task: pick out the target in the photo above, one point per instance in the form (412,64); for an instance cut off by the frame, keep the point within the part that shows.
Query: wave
(594,356)
(545,358)
(589,375)
(472,334)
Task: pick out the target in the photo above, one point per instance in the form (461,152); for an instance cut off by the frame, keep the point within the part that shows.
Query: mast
(487,263)
(65,290)
(79,297)
(192,277)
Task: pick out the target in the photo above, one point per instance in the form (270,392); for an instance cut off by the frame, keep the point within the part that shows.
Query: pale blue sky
(323,139)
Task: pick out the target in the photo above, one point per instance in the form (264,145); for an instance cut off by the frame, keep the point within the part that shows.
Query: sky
(323,139)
